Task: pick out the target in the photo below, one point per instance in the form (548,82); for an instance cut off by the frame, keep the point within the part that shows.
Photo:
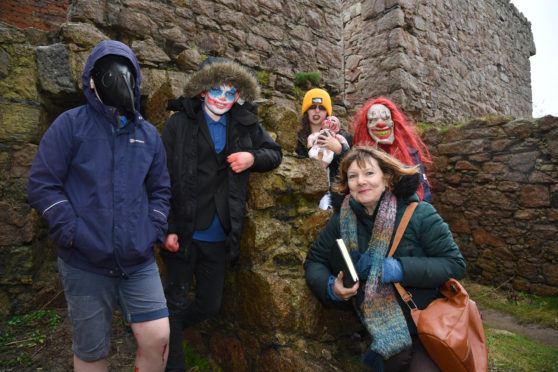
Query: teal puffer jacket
(427,252)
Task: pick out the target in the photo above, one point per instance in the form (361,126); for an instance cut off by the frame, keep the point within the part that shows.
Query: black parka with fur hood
(244,133)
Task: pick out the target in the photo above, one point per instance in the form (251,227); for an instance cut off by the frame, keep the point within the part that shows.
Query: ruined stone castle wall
(441,60)
(495,183)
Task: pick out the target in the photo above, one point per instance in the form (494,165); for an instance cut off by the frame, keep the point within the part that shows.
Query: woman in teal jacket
(378,189)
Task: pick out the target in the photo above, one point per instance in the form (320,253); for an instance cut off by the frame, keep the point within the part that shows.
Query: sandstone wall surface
(441,60)
(496,185)
(270,320)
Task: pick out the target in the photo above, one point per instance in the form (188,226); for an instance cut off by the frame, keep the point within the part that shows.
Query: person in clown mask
(100,180)
(382,124)
(213,142)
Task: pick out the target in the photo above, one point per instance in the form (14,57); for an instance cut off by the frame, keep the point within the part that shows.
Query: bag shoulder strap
(406,296)
(402,226)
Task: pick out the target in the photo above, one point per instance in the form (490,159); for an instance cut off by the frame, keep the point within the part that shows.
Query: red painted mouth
(218,104)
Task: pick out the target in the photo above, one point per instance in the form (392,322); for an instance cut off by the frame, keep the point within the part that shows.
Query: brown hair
(392,168)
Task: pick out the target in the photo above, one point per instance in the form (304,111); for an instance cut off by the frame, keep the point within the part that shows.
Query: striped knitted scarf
(379,311)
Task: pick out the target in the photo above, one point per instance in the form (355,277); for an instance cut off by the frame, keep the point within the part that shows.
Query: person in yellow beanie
(316,107)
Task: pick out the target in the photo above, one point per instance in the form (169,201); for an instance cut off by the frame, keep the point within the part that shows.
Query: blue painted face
(220,99)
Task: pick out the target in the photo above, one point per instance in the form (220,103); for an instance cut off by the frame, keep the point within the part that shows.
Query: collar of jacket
(112,117)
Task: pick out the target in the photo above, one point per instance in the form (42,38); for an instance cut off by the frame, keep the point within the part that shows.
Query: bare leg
(100,365)
(153,340)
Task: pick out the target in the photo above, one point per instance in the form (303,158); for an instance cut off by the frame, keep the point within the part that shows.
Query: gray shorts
(92,299)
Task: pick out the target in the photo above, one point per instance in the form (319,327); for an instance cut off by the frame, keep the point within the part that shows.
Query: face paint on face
(380,125)
(218,100)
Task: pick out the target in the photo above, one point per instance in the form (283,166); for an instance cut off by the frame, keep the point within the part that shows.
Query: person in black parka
(213,143)
(373,191)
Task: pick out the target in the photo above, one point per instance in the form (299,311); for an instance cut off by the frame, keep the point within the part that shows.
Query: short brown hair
(392,168)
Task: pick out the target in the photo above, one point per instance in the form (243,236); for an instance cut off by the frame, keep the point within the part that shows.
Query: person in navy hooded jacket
(100,180)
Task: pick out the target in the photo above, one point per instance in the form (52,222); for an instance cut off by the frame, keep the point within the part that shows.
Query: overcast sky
(543,15)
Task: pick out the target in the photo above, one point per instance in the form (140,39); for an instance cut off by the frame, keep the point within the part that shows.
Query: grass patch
(526,308)
(193,360)
(508,351)
(263,78)
(305,80)
(21,335)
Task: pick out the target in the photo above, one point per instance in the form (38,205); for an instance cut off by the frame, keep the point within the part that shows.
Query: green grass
(508,351)
(20,335)
(263,78)
(526,308)
(305,79)
(193,360)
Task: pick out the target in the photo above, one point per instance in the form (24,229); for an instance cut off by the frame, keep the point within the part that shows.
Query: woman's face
(316,115)
(366,184)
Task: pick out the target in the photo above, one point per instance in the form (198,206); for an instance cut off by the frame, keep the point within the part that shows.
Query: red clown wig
(405,135)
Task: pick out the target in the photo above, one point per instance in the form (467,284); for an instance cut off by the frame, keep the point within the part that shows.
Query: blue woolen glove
(362,266)
(330,294)
(392,271)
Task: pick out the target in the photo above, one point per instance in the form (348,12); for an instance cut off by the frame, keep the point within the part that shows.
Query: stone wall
(270,320)
(40,77)
(41,14)
(496,184)
(441,60)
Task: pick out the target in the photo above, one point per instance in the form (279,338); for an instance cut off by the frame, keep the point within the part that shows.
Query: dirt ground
(496,319)
(55,354)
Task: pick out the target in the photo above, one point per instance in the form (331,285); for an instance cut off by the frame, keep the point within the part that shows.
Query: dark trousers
(414,359)
(206,261)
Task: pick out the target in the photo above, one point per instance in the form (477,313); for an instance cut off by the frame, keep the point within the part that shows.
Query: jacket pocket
(93,237)
(143,236)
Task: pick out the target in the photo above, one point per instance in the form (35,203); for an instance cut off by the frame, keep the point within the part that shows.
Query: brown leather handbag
(450,328)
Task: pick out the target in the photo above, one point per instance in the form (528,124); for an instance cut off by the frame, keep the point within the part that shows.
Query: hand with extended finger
(240,161)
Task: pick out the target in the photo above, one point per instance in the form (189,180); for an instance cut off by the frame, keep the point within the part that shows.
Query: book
(340,260)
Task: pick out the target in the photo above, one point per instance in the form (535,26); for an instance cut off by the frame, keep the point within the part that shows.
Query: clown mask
(219,99)
(380,125)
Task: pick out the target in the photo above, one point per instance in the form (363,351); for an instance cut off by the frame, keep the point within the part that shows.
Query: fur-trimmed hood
(216,71)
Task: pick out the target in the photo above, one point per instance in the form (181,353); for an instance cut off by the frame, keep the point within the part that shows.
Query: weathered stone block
(55,74)
(148,51)
(533,196)
(19,123)
(228,351)
(264,301)
(519,128)
(20,84)
(84,35)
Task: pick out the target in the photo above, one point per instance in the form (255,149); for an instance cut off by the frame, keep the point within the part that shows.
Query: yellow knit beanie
(316,97)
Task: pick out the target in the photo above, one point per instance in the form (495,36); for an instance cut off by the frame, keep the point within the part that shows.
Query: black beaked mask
(115,80)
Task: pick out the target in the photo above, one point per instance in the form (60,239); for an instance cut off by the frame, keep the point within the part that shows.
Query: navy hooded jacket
(104,191)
